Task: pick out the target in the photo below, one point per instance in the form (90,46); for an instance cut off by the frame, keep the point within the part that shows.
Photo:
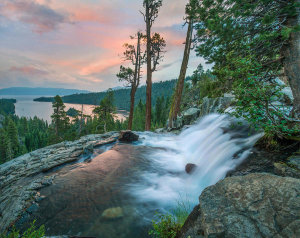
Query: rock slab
(22,177)
(255,205)
(128,136)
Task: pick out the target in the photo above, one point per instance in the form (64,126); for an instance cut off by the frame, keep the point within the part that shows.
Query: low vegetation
(167,225)
(32,232)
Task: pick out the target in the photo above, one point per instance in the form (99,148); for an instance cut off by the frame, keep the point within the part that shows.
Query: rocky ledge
(255,205)
(21,178)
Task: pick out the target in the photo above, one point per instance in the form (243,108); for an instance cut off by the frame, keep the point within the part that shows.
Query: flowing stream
(136,180)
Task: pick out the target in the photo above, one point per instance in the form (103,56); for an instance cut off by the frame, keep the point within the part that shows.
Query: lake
(26,107)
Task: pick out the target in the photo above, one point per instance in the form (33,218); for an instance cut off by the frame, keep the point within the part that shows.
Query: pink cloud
(100,66)
(88,51)
(28,70)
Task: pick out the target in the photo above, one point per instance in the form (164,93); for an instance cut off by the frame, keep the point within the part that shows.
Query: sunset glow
(78,44)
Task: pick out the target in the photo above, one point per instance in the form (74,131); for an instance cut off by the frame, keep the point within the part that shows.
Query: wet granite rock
(289,169)
(88,149)
(22,177)
(190,116)
(190,168)
(255,205)
(128,136)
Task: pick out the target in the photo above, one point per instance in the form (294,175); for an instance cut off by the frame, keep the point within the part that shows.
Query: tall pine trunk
(132,98)
(134,86)
(149,71)
(175,107)
(291,63)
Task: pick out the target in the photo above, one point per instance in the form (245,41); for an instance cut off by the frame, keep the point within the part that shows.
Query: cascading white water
(204,144)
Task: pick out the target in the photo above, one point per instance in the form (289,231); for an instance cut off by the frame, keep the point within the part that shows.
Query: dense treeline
(22,135)
(122,96)
(7,106)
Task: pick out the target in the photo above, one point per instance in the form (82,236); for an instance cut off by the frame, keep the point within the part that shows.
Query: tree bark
(136,80)
(132,97)
(175,107)
(291,63)
(149,71)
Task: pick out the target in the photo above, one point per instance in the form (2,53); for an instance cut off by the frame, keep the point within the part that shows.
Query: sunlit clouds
(78,44)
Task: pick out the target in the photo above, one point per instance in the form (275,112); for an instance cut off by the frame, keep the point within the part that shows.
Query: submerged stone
(113,213)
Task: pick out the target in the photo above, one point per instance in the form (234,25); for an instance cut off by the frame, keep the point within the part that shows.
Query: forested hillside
(7,106)
(122,96)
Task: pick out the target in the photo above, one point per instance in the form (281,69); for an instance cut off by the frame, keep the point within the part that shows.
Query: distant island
(40,91)
(122,95)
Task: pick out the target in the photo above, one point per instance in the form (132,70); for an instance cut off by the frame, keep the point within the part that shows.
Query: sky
(79,43)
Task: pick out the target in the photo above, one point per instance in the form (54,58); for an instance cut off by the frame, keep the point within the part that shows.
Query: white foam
(204,144)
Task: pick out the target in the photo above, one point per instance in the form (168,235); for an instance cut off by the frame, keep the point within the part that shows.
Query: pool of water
(116,191)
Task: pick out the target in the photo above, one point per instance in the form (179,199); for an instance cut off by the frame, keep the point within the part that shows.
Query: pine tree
(175,107)
(151,13)
(139,117)
(12,134)
(131,77)
(251,45)
(104,120)
(3,140)
(60,120)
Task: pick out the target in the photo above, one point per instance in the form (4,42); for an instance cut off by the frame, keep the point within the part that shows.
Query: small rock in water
(190,168)
(113,213)
(128,136)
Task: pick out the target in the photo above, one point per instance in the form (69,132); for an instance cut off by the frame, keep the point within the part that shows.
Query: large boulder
(215,105)
(190,115)
(128,136)
(255,205)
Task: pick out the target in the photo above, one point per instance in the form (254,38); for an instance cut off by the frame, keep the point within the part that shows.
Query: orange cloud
(100,66)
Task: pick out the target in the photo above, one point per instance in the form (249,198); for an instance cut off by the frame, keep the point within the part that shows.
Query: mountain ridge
(40,91)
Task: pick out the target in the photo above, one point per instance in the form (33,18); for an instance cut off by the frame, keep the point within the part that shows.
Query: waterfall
(211,144)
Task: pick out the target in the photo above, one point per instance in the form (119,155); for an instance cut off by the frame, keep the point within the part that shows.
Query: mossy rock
(286,170)
(113,213)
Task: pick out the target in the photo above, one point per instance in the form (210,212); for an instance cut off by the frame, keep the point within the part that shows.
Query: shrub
(168,225)
(32,232)
(164,226)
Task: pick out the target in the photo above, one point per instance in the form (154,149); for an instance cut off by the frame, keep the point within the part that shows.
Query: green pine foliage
(12,136)
(245,41)
(21,135)
(139,117)
(159,115)
(60,120)
(7,106)
(121,96)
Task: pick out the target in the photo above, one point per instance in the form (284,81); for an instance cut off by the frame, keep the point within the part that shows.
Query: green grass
(169,224)
(32,232)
